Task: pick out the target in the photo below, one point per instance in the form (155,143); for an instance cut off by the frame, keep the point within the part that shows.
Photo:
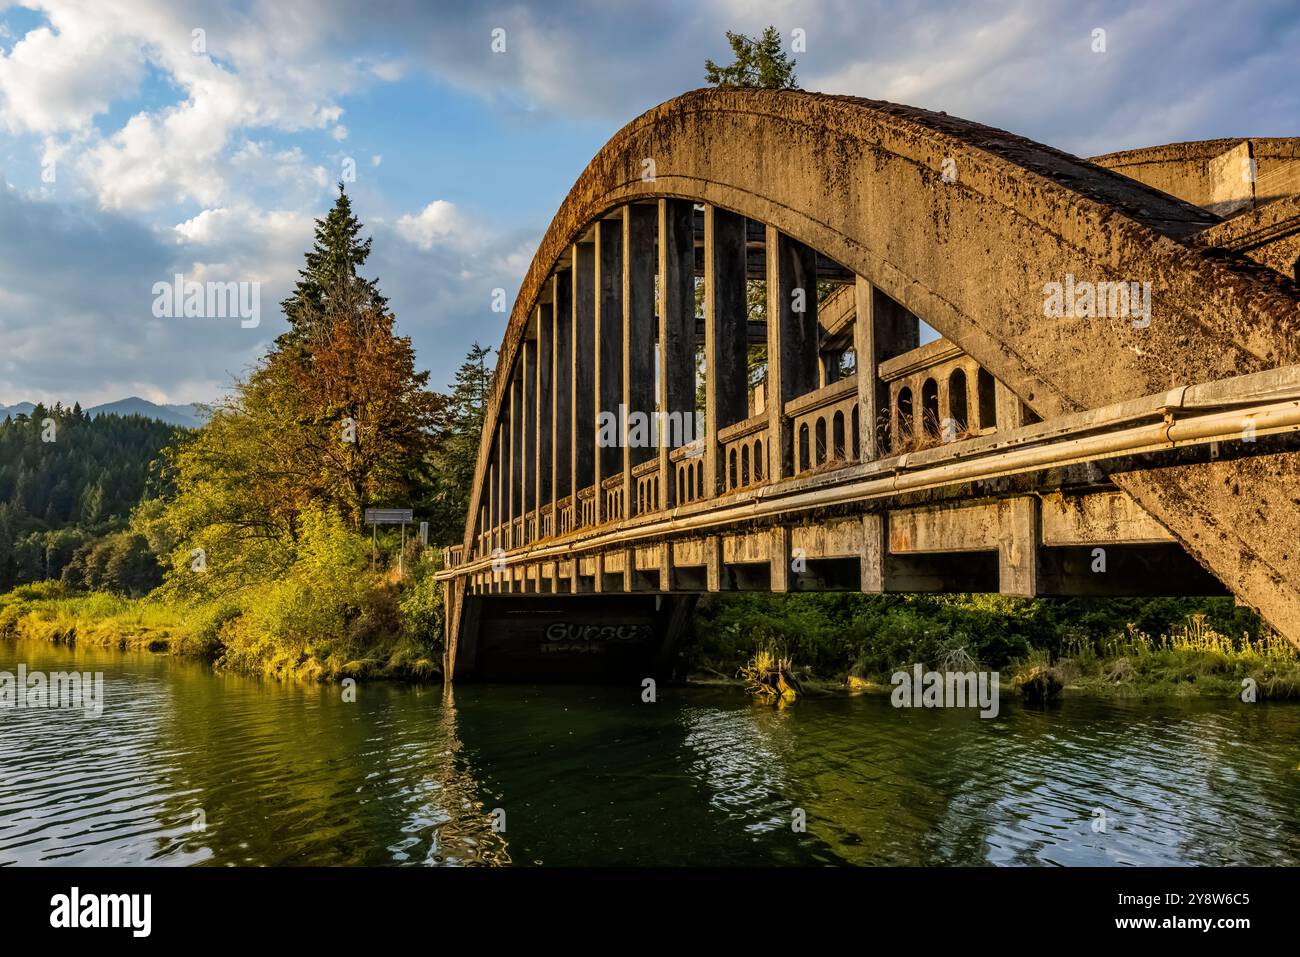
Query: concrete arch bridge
(922,355)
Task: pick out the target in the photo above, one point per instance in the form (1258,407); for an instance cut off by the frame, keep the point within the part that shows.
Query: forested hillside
(68,485)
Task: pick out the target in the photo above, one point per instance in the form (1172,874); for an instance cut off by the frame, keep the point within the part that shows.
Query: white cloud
(202,227)
(264,68)
(390,71)
(438,220)
(245,243)
(60,78)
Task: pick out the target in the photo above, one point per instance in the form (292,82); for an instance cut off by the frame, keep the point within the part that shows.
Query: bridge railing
(938,394)
(646,477)
(745,447)
(587,506)
(825,426)
(613,488)
(688,468)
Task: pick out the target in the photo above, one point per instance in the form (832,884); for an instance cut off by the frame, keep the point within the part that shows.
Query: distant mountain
(22,408)
(188,416)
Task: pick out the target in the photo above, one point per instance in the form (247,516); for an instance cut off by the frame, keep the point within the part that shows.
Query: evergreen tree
(759,63)
(330,278)
(56,495)
(469,396)
(455,455)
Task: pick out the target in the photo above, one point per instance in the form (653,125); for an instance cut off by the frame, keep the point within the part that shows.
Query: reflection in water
(462,829)
(740,757)
(185,766)
(190,767)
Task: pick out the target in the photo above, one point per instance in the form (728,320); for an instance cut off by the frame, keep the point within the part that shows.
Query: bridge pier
(562,376)
(583,377)
(676,252)
(544,408)
(515,513)
(883,329)
(589,639)
(792,342)
(608,354)
(640,230)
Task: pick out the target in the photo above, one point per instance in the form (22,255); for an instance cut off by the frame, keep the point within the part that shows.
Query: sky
(142,139)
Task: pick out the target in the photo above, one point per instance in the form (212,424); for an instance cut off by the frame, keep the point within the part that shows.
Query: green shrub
(421,602)
(871,636)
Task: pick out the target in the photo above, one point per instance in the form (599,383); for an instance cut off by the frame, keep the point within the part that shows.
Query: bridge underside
(621,615)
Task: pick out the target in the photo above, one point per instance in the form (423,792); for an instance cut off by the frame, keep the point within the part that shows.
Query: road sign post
(388,516)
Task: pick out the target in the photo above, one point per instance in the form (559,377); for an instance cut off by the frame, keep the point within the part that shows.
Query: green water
(185,766)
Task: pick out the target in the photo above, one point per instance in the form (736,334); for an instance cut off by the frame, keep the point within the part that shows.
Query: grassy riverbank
(1194,659)
(1139,648)
(316,625)
(49,612)
(281,631)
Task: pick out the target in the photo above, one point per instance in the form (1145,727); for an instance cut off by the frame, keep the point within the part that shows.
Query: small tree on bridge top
(759,63)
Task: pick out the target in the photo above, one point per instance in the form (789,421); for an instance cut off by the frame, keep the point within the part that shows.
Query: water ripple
(189,767)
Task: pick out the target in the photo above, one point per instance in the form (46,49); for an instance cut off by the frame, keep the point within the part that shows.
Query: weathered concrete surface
(1209,172)
(1270,235)
(861,182)
(1099,519)
(586,639)
(1241,519)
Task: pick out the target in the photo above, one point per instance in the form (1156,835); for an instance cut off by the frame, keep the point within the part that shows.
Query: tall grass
(1192,658)
(48,611)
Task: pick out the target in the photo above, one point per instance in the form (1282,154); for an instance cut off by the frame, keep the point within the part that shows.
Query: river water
(187,766)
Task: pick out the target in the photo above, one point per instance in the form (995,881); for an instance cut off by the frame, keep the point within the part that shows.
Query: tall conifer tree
(329,279)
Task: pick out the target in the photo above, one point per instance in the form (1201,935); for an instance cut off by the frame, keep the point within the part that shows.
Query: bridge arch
(862,182)
(973,230)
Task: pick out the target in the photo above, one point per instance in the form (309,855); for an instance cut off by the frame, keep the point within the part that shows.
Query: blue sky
(212,159)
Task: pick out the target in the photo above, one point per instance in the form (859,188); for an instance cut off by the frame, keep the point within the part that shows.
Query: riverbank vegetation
(50,611)
(327,618)
(1044,648)
(770,675)
(1192,658)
